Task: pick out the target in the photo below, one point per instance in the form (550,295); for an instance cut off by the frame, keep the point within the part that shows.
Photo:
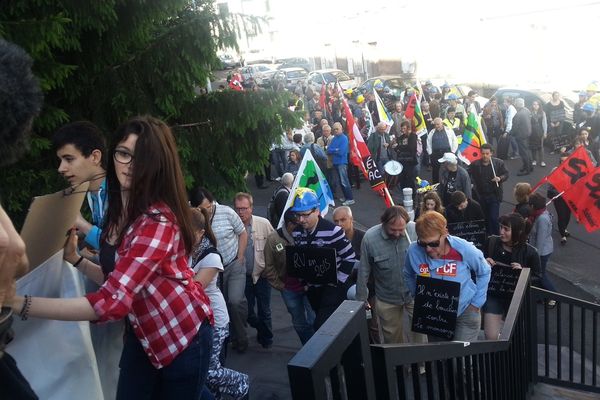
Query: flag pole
(388,195)
(494,171)
(555,197)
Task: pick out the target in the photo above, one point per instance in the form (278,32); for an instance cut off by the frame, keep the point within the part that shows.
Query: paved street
(573,268)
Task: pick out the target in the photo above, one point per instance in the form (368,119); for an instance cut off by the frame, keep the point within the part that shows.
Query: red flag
(576,166)
(322,98)
(583,198)
(361,157)
(409,113)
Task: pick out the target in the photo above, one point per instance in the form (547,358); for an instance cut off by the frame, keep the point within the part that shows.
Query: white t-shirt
(217,301)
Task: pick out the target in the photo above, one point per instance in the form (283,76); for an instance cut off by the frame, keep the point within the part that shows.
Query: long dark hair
(156,178)
(519,228)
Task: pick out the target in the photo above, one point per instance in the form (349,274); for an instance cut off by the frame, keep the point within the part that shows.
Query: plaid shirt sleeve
(152,242)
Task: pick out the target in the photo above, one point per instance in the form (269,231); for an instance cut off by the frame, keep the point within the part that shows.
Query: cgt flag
(576,166)
(472,139)
(310,176)
(361,157)
(583,198)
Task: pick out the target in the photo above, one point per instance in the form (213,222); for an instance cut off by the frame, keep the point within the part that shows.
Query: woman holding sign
(439,259)
(510,250)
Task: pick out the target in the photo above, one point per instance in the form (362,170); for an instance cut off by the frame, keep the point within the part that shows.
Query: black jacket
(526,255)
(475,170)
(473,212)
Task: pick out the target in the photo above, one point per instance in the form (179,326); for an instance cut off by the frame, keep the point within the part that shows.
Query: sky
(509,42)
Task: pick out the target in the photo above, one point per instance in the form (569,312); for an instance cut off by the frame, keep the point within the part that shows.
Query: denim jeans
(491,211)
(524,153)
(234,282)
(342,175)
(546,282)
(259,294)
(303,316)
(513,146)
(183,378)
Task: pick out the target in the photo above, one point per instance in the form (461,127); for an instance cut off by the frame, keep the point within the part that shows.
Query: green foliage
(105,61)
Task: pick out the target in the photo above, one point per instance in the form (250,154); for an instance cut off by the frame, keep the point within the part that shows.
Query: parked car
(289,77)
(554,142)
(316,79)
(529,95)
(228,62)
(396,83)
(260,74)
(296,62)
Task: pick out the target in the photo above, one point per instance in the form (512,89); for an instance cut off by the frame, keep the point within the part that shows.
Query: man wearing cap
(440,140)
(314,231)
(521,131)
(452,178)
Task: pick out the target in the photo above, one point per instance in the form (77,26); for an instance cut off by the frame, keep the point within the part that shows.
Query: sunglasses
(434,244)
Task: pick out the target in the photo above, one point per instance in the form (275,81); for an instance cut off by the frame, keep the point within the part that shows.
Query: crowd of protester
(189,275)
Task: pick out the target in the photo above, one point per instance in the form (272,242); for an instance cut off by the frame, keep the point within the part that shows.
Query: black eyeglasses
(434,244)
(305,215)
(123,157)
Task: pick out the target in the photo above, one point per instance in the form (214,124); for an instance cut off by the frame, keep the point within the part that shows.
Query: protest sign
(314,265)
(503,281)
(436,307)
(472,231)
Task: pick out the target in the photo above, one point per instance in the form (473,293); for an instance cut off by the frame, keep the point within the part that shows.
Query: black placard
(472,231)
(503,282)
(436,307)
(312,264)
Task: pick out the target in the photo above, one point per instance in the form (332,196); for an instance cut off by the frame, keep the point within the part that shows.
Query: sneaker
(543,164)
(551,304)
(534,163)
(567,233)
(342,200)
(348,202)
(278,178)
(563,240)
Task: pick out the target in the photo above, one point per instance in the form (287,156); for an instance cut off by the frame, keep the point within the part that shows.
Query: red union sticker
(447,270)
(424,270)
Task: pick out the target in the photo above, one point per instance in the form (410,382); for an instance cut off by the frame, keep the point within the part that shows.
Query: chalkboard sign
(562,140)
(503,282)
(436,307)
(314,265)
(472,231)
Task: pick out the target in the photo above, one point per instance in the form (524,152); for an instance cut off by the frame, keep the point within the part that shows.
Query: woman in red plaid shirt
(169,320)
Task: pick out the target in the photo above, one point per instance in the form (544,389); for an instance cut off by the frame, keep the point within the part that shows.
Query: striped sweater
(327,234)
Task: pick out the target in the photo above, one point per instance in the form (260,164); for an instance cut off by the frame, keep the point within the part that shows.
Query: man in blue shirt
(80,148)
(339,148)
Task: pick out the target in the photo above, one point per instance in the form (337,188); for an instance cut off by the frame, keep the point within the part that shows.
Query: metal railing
(567,338)
(336,362)
(488,369)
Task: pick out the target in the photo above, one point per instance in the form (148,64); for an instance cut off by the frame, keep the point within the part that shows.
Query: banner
(473,137)
(583,198)
(563,177)
(361,157)
(310,176)
(56,357)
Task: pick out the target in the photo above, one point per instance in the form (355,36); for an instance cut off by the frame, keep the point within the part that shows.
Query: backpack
(321,161)
(272,214)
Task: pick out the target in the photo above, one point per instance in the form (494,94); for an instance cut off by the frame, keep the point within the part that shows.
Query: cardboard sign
(503,282)
(472,231)
(48,221)
(316,265)
(436,307)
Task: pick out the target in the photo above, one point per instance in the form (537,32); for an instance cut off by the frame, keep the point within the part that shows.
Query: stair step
(544,391)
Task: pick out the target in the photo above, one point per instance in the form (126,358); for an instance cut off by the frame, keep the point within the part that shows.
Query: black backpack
(272,213)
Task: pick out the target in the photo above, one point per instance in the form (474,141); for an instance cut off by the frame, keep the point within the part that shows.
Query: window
(316,78)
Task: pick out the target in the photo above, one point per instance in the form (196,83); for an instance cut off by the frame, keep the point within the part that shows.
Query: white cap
(449,157)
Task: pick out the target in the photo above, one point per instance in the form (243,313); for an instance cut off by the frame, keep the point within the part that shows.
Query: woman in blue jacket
(438,255)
